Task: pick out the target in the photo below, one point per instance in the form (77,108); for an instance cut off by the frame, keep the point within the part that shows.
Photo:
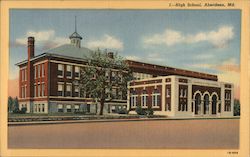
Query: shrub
(140,111)
(122,111)
(150,111)
(22,111)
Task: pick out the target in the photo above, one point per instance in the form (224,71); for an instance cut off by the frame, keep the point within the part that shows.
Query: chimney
(31,47)
(111,55)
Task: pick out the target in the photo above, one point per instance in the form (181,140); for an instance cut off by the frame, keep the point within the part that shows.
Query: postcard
(125,78)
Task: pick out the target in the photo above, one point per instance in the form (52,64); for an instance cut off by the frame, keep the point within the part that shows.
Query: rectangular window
(68,108)
(38,71)
(114,95)
(43,70)
(156,99)
(22,75)
(60,107)
(43,107)
(168,92)
(77,108)
(69,71)
(144,100)
(68,89)
(77,72)
(38,90)
(60,89)
(43,89)
(133,101)
(77,93)
(60,70)
(35,108)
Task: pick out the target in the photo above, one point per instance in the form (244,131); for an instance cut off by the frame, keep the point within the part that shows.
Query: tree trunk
(102,106)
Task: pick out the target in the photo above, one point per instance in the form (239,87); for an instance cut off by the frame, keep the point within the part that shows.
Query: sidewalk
(115,120)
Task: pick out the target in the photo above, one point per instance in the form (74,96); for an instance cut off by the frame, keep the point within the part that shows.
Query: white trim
(25,67)
(44,61)
(60,76)
(145,85)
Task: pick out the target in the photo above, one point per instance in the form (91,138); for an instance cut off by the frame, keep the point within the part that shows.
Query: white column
(174,95)
(163,95)
(189,97)
(46,107)
(222,98)
(232,100)
(202,106)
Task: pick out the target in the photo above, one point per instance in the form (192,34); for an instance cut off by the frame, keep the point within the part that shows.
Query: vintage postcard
(125,78)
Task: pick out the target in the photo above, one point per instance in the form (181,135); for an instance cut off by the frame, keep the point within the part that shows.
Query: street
(190,134)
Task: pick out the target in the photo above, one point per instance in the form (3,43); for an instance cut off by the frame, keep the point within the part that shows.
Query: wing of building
(47,85)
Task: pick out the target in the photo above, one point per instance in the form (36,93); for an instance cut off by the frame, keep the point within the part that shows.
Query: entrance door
(197,105)
(214,102)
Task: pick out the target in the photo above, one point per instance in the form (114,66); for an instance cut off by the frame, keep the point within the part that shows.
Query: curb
(114,120)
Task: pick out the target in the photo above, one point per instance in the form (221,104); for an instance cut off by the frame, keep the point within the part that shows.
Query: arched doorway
(214,103)
(197,105)
(206,104)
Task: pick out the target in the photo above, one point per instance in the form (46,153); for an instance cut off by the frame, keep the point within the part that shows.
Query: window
(34,90)
(77,108)
(77,93)
(113,76)
(114,95)
(60,89)
(69,71)
(77,72)
(68,89)
(38,90)
(68,108)
(43,89)
(185,93)
(155,99)
(60,107)
(60,70)
(144,98)
(133,100)
(39,108)
(43,70)
(43,107)
(38,71)
(35,108)
(168,92)
(181,93)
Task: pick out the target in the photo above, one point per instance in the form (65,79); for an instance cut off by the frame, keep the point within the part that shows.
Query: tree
(236,107)
(16,104)
(10,104)
(104,72)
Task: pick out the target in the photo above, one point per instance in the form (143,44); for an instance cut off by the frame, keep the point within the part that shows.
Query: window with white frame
(77,92)
(60,70)
(77,108)
(68,89)
(68,107)
(77,72)
(144,98)
(156,99)
(60,108)
(22,74)
(43,89)
(69,71)
(133,100)
(60,89)
(39,107)
(35,108)
(43,70)
(43,107)
(38,71)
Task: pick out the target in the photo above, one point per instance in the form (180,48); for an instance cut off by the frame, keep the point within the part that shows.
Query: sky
(200,40)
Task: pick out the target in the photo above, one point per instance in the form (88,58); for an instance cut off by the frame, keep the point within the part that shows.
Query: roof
(71,51)
(75,35)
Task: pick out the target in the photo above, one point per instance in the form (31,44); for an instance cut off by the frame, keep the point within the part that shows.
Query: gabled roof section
(70,50)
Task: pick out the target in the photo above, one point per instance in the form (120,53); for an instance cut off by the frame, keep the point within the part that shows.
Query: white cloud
(44,38)
(219,38)
(135,58)
(107,41)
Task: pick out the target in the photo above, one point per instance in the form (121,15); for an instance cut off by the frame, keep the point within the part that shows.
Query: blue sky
(200,40)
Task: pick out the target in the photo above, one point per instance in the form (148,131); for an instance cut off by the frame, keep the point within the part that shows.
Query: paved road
(183,134)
